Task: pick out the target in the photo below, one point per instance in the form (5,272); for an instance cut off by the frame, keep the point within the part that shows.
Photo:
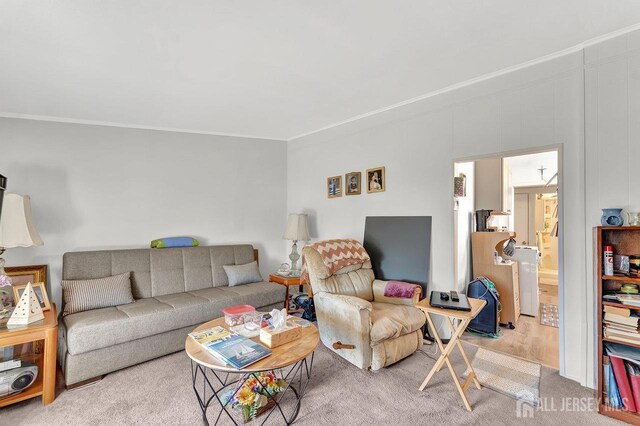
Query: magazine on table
(230,348)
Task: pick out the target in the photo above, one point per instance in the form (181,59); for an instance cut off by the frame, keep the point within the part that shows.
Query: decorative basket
(246,411)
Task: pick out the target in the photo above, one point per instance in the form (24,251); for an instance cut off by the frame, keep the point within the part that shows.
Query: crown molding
(558,54)
(131,126)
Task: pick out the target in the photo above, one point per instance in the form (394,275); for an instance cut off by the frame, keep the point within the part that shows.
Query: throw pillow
(84,295)
(243,274)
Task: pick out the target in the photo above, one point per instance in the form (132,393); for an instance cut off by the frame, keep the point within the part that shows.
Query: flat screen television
(3,186)
(400,248)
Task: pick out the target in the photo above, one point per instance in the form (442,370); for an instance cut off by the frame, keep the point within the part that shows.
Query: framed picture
(376,181)
(27,274)
(39,289)
(353,183)
(334,186)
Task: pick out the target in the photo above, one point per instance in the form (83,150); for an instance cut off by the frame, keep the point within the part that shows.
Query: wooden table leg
(444,358)
(472,372)
(49,366)
(286,298)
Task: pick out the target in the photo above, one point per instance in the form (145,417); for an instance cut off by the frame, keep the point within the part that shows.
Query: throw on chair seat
(355,319)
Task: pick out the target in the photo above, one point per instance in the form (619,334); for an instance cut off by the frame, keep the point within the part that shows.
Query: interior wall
(612,136)
(95,187)
(539,106)
(463,225)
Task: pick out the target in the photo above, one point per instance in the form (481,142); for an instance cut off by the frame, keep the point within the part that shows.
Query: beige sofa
(175,290)
(357,321)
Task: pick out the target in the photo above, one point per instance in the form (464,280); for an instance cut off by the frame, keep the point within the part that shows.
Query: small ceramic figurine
(612,217)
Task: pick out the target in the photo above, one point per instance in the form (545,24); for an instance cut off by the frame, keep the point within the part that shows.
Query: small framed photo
(334,187)
(23,275)
(376,181)
(39,289)
(353,183)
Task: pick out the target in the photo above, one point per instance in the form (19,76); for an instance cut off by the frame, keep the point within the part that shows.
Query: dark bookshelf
(625,240)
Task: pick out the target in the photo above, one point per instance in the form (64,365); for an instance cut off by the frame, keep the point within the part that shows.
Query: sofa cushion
(84,295)
(389,321)
(243,274)
(258,294)
(100,328)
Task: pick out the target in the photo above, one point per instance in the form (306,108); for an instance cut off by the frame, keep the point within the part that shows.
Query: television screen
(400,248)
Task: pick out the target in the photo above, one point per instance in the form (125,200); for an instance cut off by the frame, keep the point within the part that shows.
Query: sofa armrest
(345,326)
(378,295)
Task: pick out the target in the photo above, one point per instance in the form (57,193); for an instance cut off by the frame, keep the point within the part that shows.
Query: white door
(521,216)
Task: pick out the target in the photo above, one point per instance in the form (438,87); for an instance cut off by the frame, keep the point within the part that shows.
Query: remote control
(454,296)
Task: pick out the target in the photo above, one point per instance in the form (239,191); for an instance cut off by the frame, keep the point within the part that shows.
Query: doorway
(521,191)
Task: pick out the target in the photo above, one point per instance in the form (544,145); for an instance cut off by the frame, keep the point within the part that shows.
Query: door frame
(560,185)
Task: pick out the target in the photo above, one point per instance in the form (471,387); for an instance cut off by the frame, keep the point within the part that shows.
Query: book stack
(629,299)
(621,377)
(230,348)
(621,325)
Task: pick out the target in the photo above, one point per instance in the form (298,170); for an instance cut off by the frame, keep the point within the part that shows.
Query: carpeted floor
(159,392)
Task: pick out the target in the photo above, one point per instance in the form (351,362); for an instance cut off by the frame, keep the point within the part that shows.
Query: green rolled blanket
(174,242)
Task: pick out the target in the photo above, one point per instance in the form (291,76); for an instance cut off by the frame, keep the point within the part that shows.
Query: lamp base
(6,292)
(294,257)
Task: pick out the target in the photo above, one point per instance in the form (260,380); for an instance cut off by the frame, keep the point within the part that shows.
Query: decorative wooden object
(625,240)
(27,309)
(273,338)
(47,332)
(504,276)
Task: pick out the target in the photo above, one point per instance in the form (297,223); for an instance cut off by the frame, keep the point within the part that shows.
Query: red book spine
(635,387)
(620,373)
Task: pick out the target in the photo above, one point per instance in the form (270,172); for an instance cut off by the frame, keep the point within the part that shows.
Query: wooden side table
(45,330)
(465,318)
(288,282)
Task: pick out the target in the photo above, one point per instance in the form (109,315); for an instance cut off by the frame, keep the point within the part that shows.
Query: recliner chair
(357,321)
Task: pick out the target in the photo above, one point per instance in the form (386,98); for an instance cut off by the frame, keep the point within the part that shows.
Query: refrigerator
(528,259)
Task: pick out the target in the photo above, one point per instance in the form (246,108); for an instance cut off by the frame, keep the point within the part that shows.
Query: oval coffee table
(212,378)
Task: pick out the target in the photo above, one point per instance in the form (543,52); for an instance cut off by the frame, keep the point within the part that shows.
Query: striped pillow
(84,295)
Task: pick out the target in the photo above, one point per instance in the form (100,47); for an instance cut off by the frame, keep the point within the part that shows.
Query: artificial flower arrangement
(252,397)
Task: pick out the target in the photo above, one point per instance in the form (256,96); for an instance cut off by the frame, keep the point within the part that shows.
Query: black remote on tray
(454,296)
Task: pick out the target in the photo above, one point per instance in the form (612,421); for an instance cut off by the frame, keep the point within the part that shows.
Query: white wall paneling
(96,187)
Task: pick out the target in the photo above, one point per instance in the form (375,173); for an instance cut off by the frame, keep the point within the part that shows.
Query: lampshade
(297,228)
(16,226)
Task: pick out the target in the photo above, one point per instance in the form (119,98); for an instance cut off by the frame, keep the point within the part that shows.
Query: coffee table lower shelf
(210,386)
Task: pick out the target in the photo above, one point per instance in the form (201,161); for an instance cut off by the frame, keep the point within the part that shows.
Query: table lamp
(297,230)
(16,228)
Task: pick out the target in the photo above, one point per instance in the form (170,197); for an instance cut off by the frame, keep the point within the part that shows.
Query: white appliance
(528,259)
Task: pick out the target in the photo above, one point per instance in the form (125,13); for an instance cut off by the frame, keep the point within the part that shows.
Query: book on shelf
(613,333)
(622,380)
(616,326)
(619,319)
(629,299)
(624,312)
(230,348)
(633,371)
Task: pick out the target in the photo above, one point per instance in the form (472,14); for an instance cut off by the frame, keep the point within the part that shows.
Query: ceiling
(273,69)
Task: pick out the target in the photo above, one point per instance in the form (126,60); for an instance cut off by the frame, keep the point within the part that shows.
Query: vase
(612,217)
(634,218)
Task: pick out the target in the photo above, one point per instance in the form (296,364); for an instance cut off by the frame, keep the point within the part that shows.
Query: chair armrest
(378,295)
(346,320)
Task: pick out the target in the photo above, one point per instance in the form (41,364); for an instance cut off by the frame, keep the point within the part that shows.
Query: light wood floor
(530,339)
